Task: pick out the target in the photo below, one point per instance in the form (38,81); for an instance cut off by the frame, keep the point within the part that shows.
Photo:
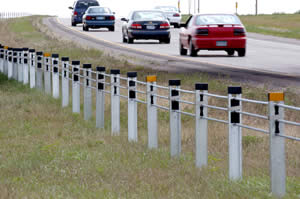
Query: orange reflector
(6,47)
(47,54)
(151,79)
(276,97)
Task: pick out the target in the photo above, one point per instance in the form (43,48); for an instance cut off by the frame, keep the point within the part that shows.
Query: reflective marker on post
(9,63)
(87,106)
(47,73)
(100,97)
(201,124)
(65,81)
(277,145)
(132,107)
(151,112)
(76,87)
(32,67)
(55,76)
(20,65)
(25,66)
(175,118)
(115,101)
(235,134)
(39,71)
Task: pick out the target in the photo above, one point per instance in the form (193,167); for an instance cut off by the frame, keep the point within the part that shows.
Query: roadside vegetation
(48,152)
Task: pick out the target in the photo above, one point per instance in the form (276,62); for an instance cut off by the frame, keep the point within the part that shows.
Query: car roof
(97,7)
(214,14)
(147,11)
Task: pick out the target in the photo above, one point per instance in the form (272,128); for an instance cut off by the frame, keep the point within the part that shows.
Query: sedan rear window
(85,5)
(99,10)
(149,16)
(217,19)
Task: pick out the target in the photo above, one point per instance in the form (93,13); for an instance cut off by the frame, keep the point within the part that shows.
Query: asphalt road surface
(267,57)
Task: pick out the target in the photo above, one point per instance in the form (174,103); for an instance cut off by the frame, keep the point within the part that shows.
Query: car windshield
(85,5)
(99,10)
(167,8)
(217,19)
(149,16)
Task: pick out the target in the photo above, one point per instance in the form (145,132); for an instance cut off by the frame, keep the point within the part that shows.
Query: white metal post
(20,65)
(152,112)
(32,67)
(39,71)
(25,66)
(55,76)
(235,134)
(175,118)
(65,81)
(115,101)
(47,73)
(100,97)
(132,107)
(277,145)
(5,60)
(76,87)
(9,63)
(87,108)
(15,63)
(1,58)
(201,125)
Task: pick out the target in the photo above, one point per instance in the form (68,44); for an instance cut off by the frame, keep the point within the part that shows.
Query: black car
(98,17)
(146,24)
(79,8)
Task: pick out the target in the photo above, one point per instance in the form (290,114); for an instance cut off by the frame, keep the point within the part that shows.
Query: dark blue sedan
(98,17)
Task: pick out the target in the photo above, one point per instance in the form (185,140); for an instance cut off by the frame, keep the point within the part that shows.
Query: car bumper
(77,19)
(100,23)
(140,34)
(211,43)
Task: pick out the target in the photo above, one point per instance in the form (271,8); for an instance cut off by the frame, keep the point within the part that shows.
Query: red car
(213,32)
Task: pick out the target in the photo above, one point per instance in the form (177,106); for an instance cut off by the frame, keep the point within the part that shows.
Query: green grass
(48,152)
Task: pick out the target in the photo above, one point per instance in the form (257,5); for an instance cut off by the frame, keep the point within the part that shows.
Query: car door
(126,24)
(185,32)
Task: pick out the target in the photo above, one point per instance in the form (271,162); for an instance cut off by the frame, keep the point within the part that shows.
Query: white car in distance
(172,14)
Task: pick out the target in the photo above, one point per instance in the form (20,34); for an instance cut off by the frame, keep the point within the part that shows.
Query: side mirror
(71,8)
(168,19)
(124,19)
(114,13)
(183,25)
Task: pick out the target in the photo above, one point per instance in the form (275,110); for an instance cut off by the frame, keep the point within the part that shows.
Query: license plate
(221,43)
(151,27)
(100,18)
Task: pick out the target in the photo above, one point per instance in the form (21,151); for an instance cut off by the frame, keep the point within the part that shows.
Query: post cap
(201,86)
(115,71)
(151,78)
(25,49)
(75,62)
(276,97)
(39,53)
(47,55)
(174,82)
(31,50)
(65,59)
(10,49)
(55,55)
(100,69)
(234,90)
(87,66)
(132,74)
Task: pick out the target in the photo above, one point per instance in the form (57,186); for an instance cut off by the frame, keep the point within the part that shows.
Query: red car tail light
(112,18)
(202,32)
(136,26)
(75,13)
(239,32)
(88,18)
(164,26)
(176,15)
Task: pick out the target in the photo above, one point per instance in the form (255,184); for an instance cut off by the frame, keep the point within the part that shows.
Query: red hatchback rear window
(217,19)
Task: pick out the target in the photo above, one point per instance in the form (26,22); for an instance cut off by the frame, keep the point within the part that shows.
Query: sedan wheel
(182,50)
(130,40)
(193,52)
(230,52)
(124,39)
(241,52)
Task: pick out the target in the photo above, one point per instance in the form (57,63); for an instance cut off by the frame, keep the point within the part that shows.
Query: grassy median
(48,152)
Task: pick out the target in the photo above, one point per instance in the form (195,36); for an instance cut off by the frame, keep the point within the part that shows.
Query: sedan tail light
(239,32)
(136,26)
(88,18)
(176,15)
(112,18)
(164,26)
(75,13)
(202,32)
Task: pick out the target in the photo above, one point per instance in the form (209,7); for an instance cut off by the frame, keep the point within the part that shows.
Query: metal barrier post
(235,134)
(65,81)
(1,58)
(175,118)
(115,101)
(201,124)
(152,112)
(15,63)
(87,108)
(39,71)
(32,67)
(100,97)
(76,87)
(5,60)
(47,73)
(55,76)
(132,107)
(9,63)
(277,145)
(20,65)
(25,66)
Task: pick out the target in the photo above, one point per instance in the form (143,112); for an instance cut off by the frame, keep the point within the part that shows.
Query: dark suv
(79,8)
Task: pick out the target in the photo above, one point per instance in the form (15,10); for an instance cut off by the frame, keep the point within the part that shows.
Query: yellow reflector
(276,97)
(151,78)
(47,54)
(6,47)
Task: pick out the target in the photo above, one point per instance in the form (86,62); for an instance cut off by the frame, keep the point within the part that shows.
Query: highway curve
(269,59)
